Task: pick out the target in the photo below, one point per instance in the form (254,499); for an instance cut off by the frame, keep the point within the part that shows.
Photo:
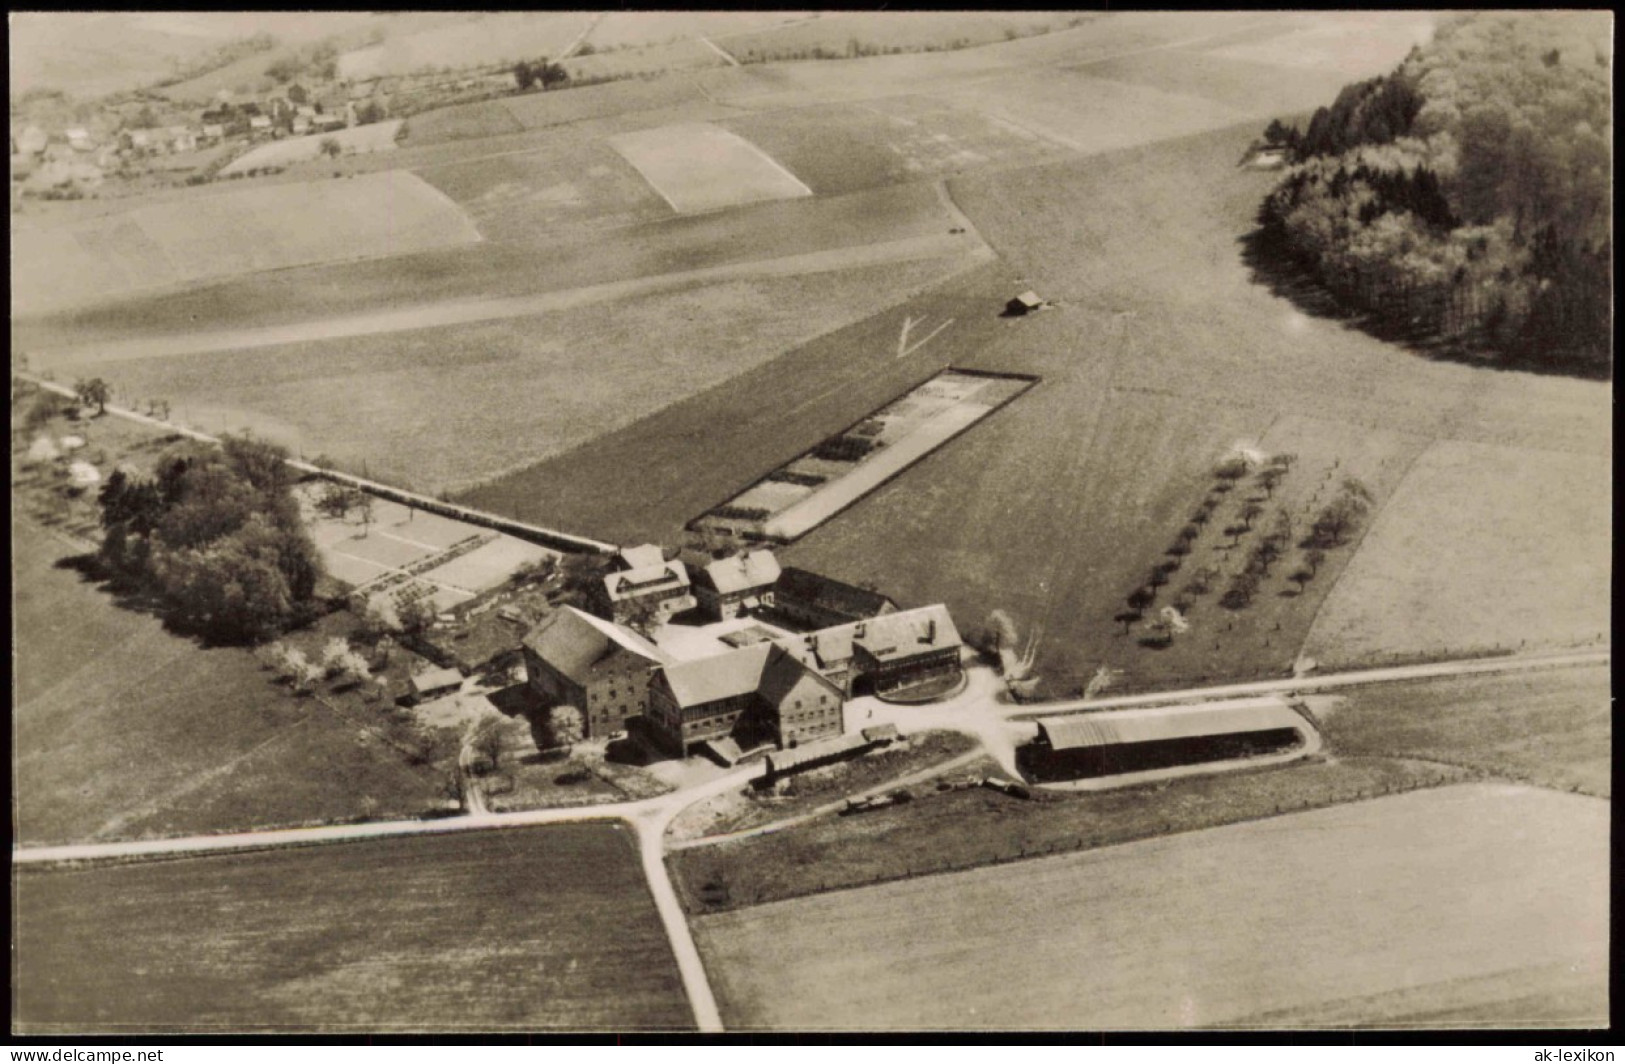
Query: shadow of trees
(1271,266)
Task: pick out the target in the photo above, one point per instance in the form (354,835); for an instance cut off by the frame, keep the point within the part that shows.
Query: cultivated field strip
(398,934)
(699,167)
(255,229)
(1405,895)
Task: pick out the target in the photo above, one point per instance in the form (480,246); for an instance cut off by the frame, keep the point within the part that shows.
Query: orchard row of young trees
(216,536)
(1467,196)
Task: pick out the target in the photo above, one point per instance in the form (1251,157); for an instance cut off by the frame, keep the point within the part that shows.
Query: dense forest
(1466,198)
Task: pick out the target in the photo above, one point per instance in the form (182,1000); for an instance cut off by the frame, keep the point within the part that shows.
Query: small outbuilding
(435,683)
(1025,303)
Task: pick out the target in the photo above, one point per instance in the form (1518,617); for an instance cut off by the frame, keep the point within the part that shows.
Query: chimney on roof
(930,631)
(857,633)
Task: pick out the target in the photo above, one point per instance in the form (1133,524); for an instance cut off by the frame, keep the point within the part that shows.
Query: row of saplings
(1254,485)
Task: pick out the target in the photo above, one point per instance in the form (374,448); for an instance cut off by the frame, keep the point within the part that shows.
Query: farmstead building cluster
(748,674)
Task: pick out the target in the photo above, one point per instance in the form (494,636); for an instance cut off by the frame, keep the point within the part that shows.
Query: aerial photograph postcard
(678,522)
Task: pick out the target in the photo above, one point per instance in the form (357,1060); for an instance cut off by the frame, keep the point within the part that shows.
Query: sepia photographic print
(770,521)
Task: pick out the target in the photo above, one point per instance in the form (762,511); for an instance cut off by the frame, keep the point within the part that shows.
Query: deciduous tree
(565,725)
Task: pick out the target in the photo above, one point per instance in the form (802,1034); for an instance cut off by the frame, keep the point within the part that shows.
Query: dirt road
(975,710)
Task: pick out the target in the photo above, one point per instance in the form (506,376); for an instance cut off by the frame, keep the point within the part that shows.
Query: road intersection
(981,709)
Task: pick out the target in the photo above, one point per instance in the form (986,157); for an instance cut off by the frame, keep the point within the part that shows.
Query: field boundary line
(719,50)
(198,780)
(1354,548)
(1292,686)
(519,529)
(471,311)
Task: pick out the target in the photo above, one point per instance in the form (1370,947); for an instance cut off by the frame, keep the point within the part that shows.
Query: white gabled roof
(434,678)
(1112,727)
(573,641)
(642,556)
(758,568)
(631,583)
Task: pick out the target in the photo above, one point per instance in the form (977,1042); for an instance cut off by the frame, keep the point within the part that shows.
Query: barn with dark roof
(752,695)
(1121,742)
(817,601)
(573,658)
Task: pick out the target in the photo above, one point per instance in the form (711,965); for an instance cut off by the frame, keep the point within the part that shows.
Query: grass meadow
(843,147)
(123,730)
(698,167)
(360,140)
(449,406)
(250,230)
(1470,903)
(485,38)
(546,928)
(952,831)
(833,32)
(1531,573)
(1552,728)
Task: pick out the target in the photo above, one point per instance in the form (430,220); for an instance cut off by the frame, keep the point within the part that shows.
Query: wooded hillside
(1466,197)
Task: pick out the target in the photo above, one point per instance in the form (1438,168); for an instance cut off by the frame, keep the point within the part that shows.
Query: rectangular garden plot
(805,492)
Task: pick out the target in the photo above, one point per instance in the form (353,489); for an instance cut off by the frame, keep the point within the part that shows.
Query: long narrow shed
(1113,742)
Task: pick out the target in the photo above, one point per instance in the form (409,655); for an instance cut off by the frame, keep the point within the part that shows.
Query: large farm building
(742,679)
